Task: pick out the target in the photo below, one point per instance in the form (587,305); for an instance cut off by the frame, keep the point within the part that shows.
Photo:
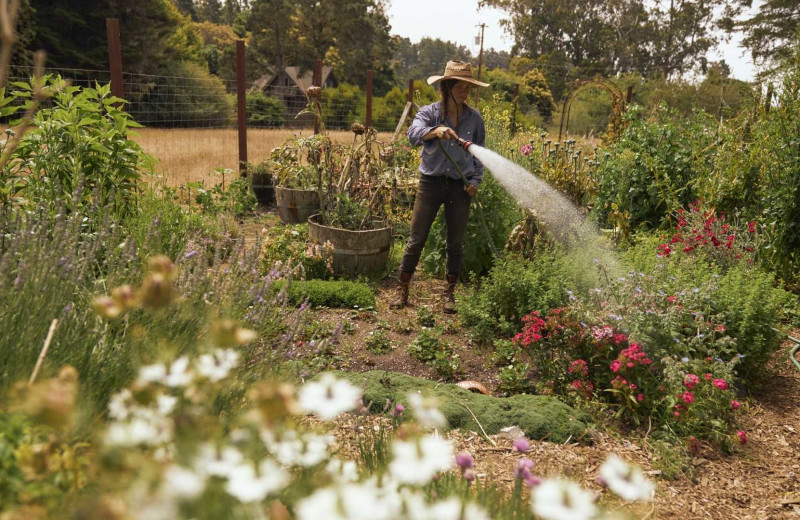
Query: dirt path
(752,483)
(761,480)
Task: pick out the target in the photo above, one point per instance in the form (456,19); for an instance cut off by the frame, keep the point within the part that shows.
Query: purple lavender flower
(522,445)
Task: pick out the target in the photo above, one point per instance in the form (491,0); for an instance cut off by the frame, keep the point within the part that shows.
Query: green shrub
(264,111)
(651,170)
(329,293)
(752,306)
(340,106)
(514,287)
(197,99)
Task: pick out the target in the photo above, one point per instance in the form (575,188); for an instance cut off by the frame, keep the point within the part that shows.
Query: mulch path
(761,480)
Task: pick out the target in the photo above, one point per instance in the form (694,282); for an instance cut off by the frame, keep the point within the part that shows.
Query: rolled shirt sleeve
(436,163)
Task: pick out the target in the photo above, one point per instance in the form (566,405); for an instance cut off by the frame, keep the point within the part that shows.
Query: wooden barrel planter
(355,252)
(295,206)
(261,183)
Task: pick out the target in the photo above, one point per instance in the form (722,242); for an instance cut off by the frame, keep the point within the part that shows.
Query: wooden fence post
(410,90)
(368,122)
(241,106)
(629,94)
(317,82)
(115,58)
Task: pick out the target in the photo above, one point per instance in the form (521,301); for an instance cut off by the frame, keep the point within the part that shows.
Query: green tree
(153,32)
(771,33)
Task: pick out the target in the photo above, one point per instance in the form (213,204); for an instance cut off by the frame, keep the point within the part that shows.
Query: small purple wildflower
(398,409)
(191,254)
(464,460)
(522,445)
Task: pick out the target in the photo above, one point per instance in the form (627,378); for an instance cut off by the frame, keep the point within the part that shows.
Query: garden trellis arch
(617,103)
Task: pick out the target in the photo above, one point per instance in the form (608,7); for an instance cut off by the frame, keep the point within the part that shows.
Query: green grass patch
(329,293)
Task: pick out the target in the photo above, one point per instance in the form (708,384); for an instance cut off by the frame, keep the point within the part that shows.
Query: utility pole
(480,65)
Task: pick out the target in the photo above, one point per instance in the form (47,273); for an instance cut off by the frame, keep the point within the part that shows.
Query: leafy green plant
(425,316)
(514,287)
(515,379)
(650,171)
(425,346)
(378,342)
(288,247)
(79,150)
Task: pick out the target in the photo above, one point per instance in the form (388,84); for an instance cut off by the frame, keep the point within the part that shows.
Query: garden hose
(482,218)
(793,352)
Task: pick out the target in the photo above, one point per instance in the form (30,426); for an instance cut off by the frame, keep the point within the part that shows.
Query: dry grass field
(192,154)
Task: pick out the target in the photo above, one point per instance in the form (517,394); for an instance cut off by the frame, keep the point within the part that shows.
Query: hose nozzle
(464,143)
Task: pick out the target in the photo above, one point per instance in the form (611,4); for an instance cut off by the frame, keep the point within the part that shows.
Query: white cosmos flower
(328,397)
(166,403)
(247,486)
(218,365)
(151,374)
(556,499)
(182,482)
(146,429)
(342,471)
(626,480)
(416,461)
(348,502)
(451,509)
(222,463)
(426,411)
(119,406)
(179,374)
(293,450)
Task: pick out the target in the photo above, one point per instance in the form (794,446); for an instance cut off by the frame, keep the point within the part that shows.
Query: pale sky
(457,21)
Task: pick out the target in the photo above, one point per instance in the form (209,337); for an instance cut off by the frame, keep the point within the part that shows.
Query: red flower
(687,397)
(735,405)
(721,384)
(690,380)
(742,436)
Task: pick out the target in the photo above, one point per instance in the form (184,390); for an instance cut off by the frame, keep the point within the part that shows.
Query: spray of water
(553,211)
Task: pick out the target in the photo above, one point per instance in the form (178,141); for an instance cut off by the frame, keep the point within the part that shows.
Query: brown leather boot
(449,295)
(402,292)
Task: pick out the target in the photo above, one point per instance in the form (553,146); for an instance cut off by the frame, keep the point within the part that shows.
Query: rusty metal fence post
(368,122)
(241,106)
(115,58)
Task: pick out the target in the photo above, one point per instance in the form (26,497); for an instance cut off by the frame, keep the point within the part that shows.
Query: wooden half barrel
(355,252)
(261,183)
(295,206)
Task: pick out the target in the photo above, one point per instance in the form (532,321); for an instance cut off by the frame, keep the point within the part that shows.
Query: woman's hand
(471,190)
(441,132)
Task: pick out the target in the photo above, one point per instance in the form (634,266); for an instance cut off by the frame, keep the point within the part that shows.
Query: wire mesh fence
(202,101)
(190,121)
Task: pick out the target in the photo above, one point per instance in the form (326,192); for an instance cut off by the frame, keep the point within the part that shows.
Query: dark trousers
(431,194)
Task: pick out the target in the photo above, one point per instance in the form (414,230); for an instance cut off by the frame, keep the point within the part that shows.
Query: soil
(760,480)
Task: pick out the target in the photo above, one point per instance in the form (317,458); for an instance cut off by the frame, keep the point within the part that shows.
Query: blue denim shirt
(434,162)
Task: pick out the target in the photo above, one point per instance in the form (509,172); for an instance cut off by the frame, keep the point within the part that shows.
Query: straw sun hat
(459,70)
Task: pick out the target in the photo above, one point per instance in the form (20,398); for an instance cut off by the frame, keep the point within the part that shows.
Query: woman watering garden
(440,182)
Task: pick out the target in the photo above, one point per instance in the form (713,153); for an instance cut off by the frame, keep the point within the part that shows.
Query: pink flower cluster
(532,331)
(579,366)
(688,240)
(526,149)
(634,355)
